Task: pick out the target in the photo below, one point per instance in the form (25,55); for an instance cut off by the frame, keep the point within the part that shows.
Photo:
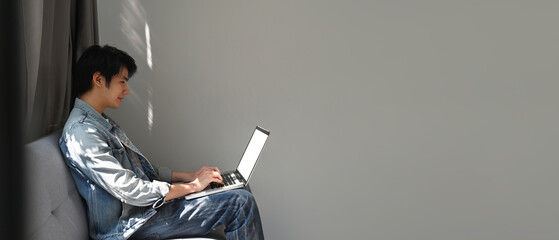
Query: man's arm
(182,176)
(196,181)
(189,177)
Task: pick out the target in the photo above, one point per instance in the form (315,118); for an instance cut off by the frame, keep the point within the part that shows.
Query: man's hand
(196,181)
(206,175)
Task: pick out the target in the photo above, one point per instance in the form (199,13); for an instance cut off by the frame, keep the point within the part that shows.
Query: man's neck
(93,102)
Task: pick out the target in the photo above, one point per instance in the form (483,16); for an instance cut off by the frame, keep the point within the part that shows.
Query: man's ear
(98,79)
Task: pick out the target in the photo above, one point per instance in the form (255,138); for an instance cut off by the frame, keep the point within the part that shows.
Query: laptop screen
(252,152)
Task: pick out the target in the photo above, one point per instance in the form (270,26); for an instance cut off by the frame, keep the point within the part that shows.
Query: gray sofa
(54,208)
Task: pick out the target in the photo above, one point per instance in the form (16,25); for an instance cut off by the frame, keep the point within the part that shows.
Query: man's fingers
(217,176)
(211,169)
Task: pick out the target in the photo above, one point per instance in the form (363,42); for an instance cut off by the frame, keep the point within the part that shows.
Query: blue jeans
(236,209)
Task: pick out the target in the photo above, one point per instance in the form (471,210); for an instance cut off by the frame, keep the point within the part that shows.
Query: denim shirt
(121,188)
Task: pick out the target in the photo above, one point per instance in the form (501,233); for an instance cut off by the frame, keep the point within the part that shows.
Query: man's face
(117,89)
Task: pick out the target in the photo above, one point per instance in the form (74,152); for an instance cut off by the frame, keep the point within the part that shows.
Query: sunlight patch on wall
(150,65)
(150,112)
(136,31)
(131,18)
(148,48)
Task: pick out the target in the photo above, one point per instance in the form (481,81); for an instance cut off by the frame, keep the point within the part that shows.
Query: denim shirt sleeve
(164,173)
(92,155)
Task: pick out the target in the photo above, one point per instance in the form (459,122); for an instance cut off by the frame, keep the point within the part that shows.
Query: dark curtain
(40,41)
(11,217)
(55,34)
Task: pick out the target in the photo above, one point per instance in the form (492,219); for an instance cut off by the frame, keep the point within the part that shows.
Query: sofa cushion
(54,208)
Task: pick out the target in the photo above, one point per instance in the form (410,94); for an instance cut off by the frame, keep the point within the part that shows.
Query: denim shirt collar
(101,118)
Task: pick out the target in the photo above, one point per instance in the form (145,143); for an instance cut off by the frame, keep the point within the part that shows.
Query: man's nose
(126,90)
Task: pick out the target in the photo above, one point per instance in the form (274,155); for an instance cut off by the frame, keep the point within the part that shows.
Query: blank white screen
(252,152)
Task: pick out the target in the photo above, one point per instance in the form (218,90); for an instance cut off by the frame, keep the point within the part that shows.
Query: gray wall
(389,119)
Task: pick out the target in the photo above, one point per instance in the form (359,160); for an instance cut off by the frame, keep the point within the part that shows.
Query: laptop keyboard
(228,179)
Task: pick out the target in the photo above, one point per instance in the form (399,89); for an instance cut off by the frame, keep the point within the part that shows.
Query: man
(127,196)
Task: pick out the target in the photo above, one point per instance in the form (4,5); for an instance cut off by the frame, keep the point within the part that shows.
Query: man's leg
(236,209)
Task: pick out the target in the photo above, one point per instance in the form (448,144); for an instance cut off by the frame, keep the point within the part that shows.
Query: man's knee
(243,199)
(243,195)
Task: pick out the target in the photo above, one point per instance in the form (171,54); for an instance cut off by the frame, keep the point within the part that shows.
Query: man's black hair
(106,60)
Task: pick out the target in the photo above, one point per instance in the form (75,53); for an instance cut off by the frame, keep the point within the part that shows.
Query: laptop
(239,177)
